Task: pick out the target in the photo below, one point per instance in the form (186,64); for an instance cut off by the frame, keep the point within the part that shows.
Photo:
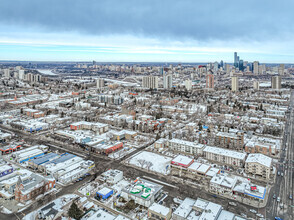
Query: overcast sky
(146,31)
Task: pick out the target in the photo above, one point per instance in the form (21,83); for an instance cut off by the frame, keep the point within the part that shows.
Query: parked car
(282,174)
(253,211)
(281,205)
(243,215)
(291,197)
(279,173)
(278,199)
(278,218)
(260,215)
(232,203)
(274,197)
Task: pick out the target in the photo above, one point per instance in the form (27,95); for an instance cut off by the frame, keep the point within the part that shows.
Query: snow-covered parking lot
(151,161)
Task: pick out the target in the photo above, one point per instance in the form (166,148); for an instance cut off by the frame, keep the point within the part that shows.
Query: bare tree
(149,164)
(142,162)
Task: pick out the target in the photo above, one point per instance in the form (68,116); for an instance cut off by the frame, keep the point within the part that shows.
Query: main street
(284,187)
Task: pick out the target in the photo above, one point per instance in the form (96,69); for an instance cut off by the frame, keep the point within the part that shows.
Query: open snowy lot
(151,161)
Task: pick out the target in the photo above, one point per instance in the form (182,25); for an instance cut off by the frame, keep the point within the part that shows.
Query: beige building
(255,85)
(150,82)
(259,164)
(276,82)
(235,83)
(157,211)
(255,67)
(188,84)
(281,69)
(186,147)
(224,156)
(100,83)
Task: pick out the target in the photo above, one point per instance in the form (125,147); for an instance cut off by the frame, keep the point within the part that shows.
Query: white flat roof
(155,207)
(225,152)
(180,159)
(226,215)
(185,208)
(105,191)
(259,158)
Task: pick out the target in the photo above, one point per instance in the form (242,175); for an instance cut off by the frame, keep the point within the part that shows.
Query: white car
(278,199)
(260,215)
(232,203)
(243,215)
(253,211)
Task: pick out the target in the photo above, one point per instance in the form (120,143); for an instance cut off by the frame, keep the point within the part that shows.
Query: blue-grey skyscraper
(241,65)
(221,64)
(236,60)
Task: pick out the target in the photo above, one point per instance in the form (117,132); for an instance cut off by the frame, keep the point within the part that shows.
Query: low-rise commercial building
(142,191)
(157,211)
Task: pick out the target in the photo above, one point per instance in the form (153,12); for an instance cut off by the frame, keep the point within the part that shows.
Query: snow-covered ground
(153,162)
(5,210)
(46,72)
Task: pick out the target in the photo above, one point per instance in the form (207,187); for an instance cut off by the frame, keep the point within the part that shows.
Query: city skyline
(146,32)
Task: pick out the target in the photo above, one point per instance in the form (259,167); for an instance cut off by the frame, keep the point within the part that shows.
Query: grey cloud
(173,19)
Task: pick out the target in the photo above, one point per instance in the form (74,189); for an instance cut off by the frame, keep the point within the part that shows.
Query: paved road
(284,185)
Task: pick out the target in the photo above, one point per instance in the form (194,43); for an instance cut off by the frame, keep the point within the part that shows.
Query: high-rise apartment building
(235,83)
(276,82)
(167,81)
(255,67)
(100,83)
(21,74)
(188,84)
(227,68)
(215,67)
(236,61)
(209,81)
(150,82)
(241,65)
(255,85)
(221,64)
(281,69)
(7,73)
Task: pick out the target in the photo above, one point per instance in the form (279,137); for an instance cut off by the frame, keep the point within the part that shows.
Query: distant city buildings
(7,73)
(236,60)
(281,69)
